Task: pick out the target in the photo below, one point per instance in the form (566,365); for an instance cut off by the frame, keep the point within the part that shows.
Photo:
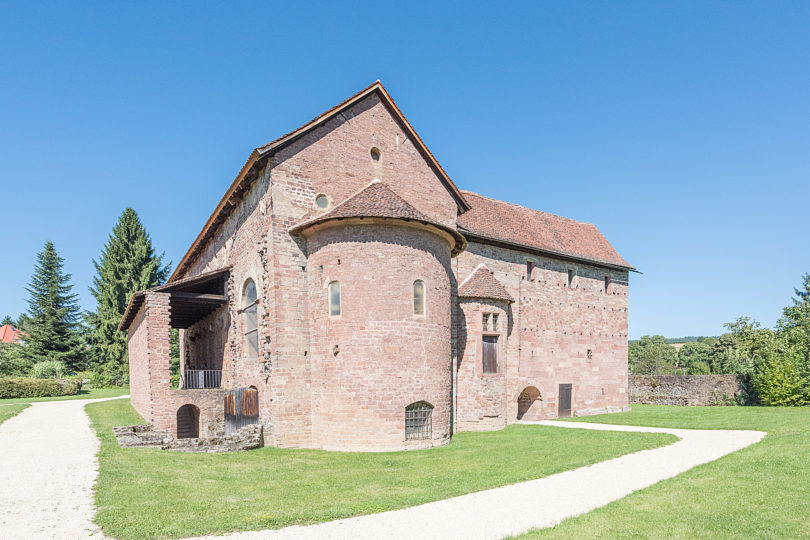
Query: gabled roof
(494,221)
(252,167)
(482,284)
(377,200)
(11,334)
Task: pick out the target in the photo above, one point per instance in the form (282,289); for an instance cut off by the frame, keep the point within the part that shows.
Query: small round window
(375,154)
(322,201)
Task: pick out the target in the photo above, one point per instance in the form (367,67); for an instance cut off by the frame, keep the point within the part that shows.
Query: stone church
(347,295)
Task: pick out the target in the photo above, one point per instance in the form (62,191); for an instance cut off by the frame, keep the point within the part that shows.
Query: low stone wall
(146,436)
(683,389)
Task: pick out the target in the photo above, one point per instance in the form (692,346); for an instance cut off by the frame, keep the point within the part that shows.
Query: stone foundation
(146,436)
(684,389)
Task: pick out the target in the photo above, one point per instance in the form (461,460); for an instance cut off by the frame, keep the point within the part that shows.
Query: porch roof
(190,299)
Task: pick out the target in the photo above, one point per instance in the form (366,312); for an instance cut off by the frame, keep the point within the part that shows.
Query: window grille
(418,421)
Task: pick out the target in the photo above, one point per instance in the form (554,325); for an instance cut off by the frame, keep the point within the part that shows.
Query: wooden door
(241,408)
(490,361)
(564,401)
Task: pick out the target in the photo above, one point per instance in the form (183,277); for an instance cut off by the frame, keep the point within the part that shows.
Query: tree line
(58,338)
(775,361)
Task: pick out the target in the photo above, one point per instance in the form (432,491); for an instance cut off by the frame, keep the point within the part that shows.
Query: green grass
(83,394)
(147,493)
(762,491)
(8,411)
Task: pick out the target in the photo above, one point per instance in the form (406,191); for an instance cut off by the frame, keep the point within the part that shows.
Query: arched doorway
(188,422)
(529,404)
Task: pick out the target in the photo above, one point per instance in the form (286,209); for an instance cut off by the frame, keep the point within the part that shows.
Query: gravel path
(47,470)
(48,467)
(514,509)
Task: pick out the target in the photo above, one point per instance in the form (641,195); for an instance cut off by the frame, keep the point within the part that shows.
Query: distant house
(11,334)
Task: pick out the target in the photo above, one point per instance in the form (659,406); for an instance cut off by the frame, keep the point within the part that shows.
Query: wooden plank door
(564,401)
(490,361)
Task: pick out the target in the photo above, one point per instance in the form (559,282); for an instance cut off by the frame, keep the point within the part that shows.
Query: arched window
(334,298)
(418,297)
(250,319)
(419,421)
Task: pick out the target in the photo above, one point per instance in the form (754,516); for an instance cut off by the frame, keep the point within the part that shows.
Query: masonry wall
(481,398)
(254,241)
(377,356)
(554,328)
(139,374)
(684,389)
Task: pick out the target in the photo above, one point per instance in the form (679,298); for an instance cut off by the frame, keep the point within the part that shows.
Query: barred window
(418,421)
(250,320)
(418,297)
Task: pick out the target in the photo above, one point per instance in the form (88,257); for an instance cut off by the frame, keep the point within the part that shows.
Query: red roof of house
(10,334)
(377,200)
(482,284)
(526,228)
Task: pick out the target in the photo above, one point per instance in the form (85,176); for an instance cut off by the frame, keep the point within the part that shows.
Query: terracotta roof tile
(523,226)
(10,334)
(482,284)
(378,201)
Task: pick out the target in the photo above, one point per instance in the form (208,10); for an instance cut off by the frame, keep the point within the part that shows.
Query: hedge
(29,388)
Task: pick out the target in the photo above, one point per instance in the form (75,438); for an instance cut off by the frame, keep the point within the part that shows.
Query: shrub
(12,363)
(49,369)
(108,377)
(30,388)
(779,381)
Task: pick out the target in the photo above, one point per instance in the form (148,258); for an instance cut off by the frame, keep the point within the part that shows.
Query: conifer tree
(127,264)
(52,324)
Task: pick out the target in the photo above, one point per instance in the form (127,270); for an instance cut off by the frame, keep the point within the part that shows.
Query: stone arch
(188,422)
(529,404)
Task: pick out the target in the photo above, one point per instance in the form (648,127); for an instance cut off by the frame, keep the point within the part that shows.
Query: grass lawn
(147,493)
(8,411)
(83,394)
(762,491)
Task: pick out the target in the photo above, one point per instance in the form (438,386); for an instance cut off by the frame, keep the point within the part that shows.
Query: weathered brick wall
(683,389)
(377,357)
(481,397)
(553,327)
(334,160)
(310,398)
(139,376)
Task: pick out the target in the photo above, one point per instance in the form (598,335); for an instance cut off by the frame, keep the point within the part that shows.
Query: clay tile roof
(378,200)
(482,284)
(523,227)
(10,334)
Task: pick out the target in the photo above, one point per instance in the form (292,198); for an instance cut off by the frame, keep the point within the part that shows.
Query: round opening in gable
(322,201)
(375,154)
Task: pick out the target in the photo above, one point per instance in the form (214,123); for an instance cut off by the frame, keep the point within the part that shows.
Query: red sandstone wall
(481,398)
(554,326)
(139,381)
(388,357)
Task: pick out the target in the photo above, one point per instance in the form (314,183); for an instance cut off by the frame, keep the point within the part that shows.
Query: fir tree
(127,264)
(8,320)
(52,322)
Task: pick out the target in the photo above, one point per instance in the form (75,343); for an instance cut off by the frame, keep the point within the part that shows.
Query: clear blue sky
(681,129)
